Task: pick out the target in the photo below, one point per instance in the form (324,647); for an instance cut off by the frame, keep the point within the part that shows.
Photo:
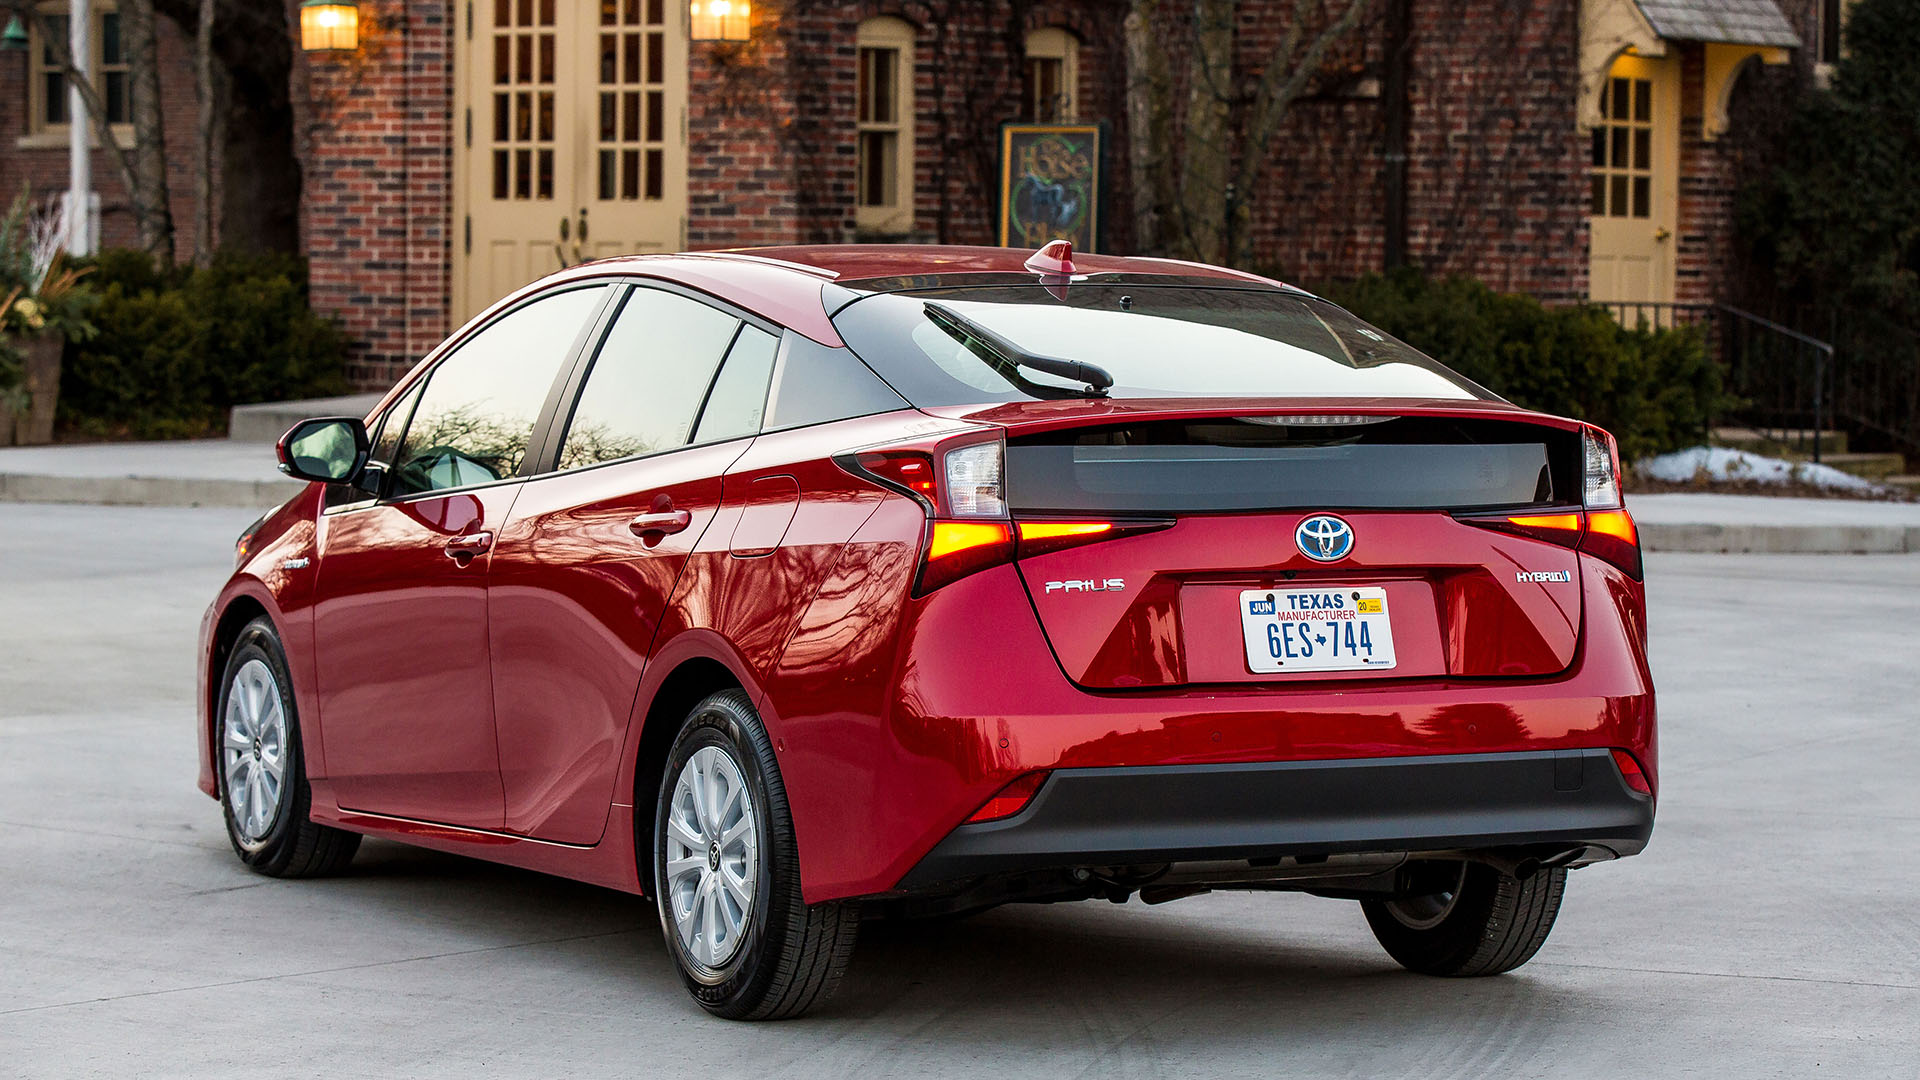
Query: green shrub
(178,347)
(1655,390)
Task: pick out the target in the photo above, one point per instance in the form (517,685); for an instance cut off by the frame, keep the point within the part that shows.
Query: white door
(570,111)
(1635,188)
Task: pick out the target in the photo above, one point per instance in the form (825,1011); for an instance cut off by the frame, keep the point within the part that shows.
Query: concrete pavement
(1768,930)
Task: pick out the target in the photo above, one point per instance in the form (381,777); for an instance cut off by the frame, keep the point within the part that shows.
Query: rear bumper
(1184,813)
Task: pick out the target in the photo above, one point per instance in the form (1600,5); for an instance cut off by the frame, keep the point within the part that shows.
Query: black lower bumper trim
(1181,813)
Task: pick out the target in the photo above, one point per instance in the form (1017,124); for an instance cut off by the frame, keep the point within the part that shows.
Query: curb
(1781,539)
(145,490)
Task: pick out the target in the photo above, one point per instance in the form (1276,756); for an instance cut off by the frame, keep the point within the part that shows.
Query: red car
(803,586)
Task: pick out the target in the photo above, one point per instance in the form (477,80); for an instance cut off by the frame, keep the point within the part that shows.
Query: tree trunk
(1207,157)
(207,157)
(260,178)
(1149,129)
(152,204)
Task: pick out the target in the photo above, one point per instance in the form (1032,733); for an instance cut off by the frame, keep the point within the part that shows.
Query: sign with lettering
(1050,185)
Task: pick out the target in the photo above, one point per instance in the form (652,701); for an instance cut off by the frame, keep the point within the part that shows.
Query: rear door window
(478,411)
(738,404)
(643,392)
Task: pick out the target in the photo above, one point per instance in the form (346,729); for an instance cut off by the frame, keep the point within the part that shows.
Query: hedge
(179,347)
(1655,390)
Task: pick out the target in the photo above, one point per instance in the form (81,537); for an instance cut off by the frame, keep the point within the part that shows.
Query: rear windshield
(1155,340)
(1271,463)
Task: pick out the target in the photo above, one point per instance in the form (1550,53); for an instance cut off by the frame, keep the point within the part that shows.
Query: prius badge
(1324,538)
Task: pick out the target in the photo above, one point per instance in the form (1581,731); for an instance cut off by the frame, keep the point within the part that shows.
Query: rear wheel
(727,874)
(1476,920)
(263,790)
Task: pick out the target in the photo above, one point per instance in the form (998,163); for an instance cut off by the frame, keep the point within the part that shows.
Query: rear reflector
(1630,772)
(1011,799)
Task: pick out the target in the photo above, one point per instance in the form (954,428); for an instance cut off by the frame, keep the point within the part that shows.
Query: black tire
(293,846)
(1484,922)
(790,955)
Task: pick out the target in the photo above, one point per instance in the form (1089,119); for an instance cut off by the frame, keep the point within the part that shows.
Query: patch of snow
(1722,463)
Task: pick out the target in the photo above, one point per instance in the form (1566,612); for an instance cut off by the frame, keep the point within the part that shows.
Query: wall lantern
(721,20)
(15,37)
(326,26)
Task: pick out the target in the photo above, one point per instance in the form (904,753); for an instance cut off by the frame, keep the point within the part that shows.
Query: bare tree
(1226,136)
(210,139)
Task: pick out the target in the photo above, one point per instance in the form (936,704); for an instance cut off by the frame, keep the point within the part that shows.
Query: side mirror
(330,449)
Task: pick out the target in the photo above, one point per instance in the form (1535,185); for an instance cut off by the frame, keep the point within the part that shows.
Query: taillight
(1600,460)
(1010,800)
(1630,771)
(962,487)
(1600,526)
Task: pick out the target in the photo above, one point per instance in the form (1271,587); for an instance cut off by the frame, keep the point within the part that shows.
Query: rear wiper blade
(1095,376)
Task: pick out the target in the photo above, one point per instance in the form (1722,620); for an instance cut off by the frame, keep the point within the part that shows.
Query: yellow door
(1635,182)
(571,112)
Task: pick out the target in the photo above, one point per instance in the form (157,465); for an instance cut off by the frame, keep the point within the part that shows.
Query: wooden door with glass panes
(571,112)
(1634,188)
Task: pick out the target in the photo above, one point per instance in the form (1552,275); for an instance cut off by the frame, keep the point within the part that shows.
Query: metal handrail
(1698,312)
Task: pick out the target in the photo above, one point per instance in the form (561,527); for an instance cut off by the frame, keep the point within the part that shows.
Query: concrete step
(1867,466)
(268,420)
(1779,443)
(1909,482)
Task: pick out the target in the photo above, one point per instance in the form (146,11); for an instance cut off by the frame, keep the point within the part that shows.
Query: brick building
(1571,149)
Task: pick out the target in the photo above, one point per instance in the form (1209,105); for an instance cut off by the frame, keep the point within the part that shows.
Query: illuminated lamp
(326,26)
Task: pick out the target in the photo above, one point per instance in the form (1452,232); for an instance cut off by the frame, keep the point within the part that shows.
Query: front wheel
(263,788)
(1470,919)
(727,874)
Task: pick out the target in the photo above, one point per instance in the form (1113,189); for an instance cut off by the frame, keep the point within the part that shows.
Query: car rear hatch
(1165,549)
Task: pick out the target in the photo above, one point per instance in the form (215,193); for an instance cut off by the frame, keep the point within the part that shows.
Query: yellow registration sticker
(1373,605)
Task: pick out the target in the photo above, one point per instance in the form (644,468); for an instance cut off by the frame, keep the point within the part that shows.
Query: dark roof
(1735,22)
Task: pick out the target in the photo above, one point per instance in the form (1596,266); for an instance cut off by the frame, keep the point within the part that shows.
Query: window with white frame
(47,84)
(884,115)
(1053,77)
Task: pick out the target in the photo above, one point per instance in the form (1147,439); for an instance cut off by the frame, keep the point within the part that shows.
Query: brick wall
(771,127)
(43,169)
(377,211)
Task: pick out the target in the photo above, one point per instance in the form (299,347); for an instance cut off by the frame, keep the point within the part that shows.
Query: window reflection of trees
(460,446)
(593,443)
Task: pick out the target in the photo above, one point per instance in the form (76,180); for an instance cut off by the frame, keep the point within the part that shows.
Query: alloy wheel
(254,750)
(713,859)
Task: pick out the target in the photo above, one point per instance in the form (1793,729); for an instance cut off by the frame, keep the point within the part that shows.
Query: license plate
(1317,629)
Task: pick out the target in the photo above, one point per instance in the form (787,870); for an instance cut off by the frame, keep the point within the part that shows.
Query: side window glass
(818,384)
(739,399)
(387,428)
(648,379)
(478,410)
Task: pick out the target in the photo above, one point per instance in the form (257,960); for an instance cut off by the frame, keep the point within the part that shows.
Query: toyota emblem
(1324,538)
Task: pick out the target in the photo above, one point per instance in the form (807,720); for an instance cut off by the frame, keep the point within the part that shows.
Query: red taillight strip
(1041,537)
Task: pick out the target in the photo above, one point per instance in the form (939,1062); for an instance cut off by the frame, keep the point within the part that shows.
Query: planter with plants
(42,306)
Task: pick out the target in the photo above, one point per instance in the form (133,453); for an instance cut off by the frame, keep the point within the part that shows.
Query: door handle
(662,522)
(461,549)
